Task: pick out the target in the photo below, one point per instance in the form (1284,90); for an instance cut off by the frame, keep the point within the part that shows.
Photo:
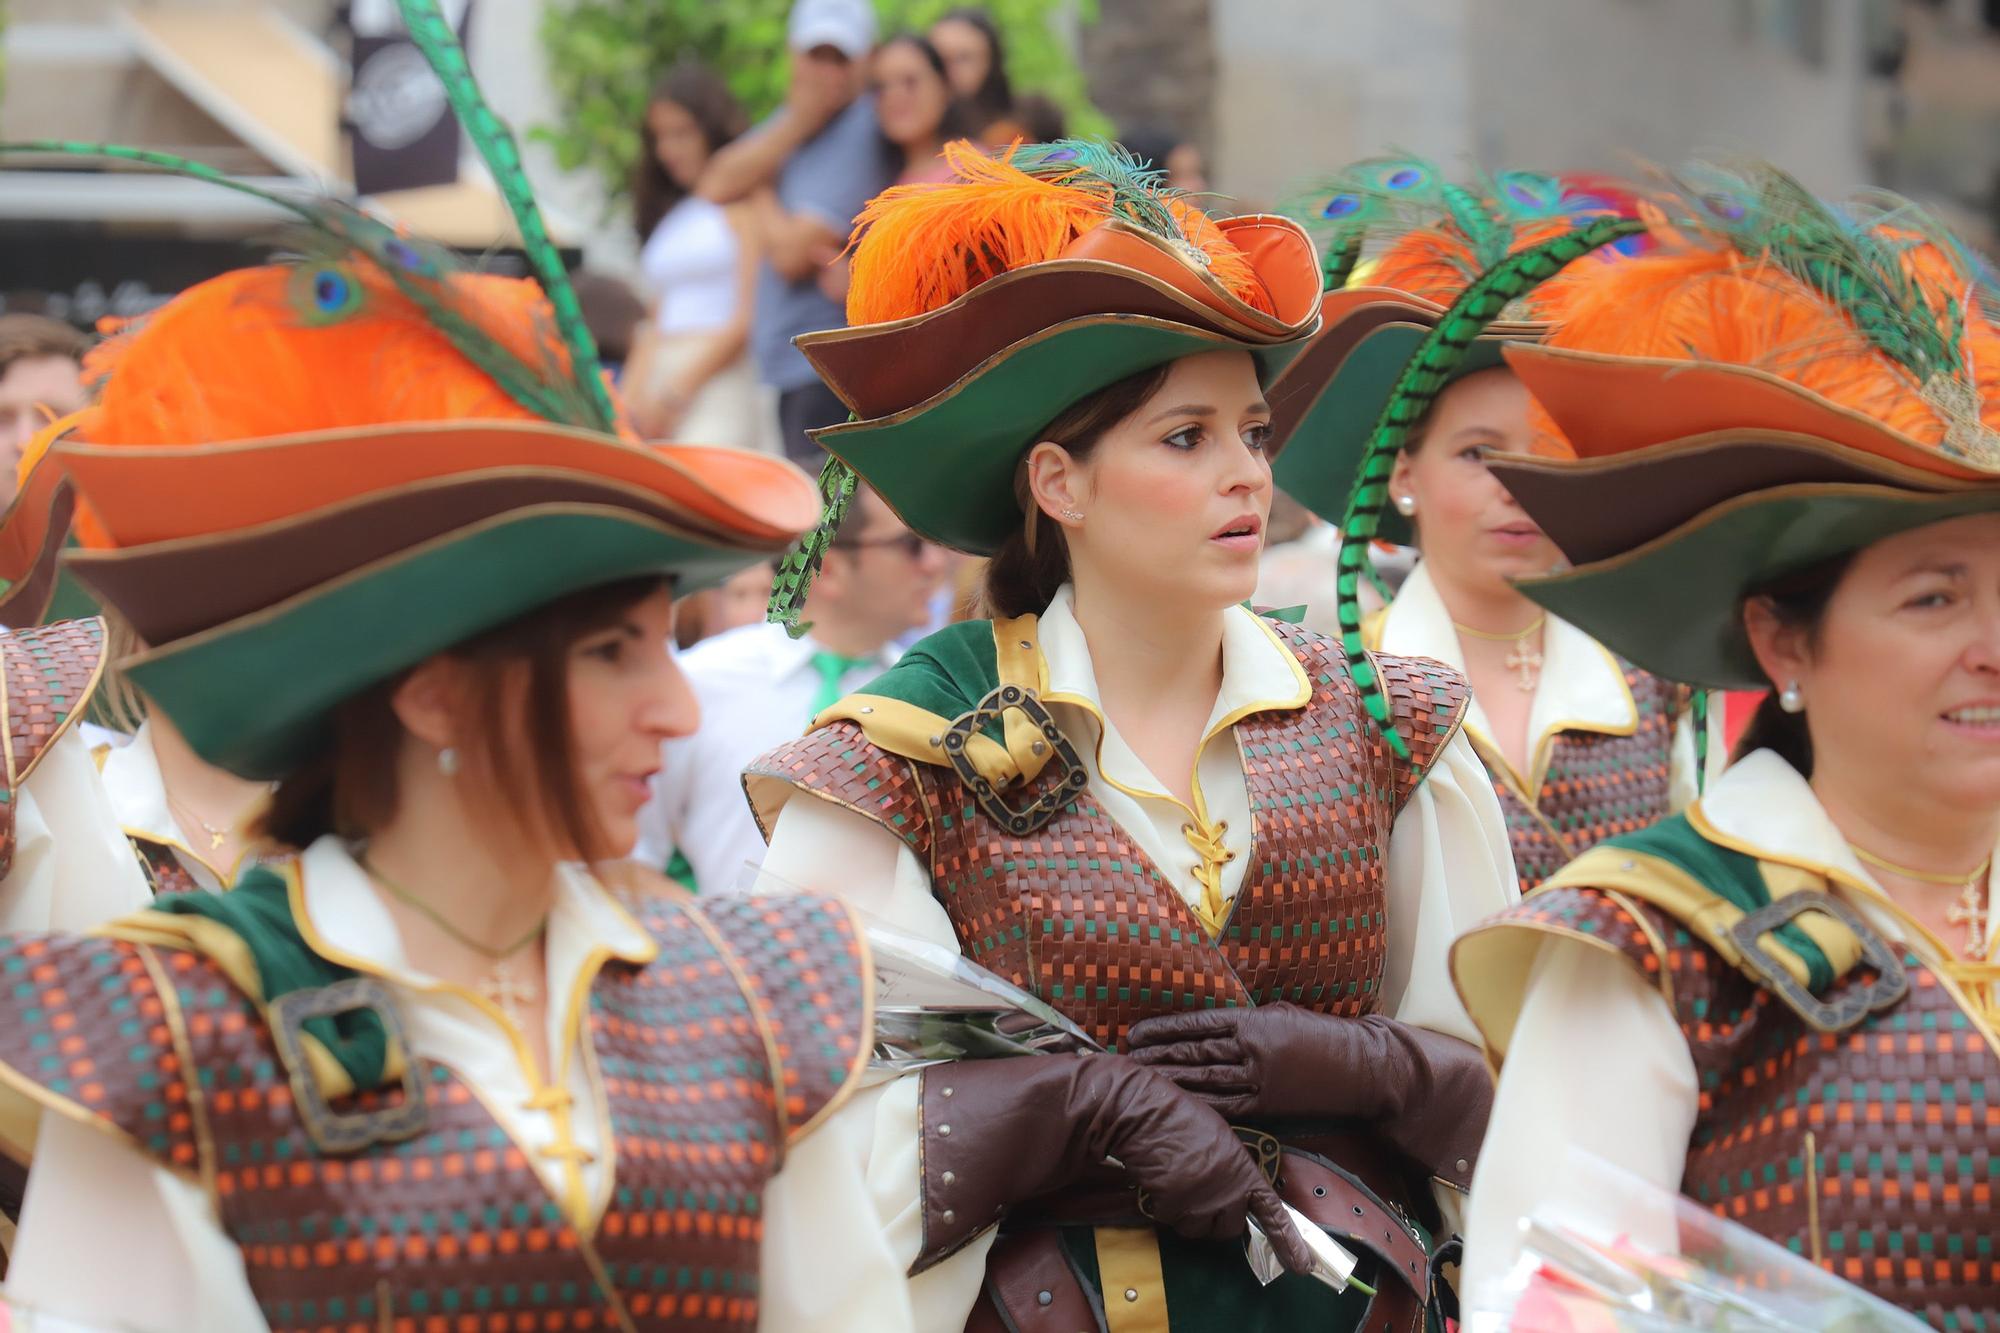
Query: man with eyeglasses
(759,688)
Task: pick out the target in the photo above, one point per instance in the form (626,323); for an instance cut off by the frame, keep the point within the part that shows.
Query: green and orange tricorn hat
(981,307)
(300,479)
(1783,384)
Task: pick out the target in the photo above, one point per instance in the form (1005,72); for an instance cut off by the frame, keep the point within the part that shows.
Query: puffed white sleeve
(91,1197)
(1450,867)
(1597,1064)
(73,867)
(859,1175)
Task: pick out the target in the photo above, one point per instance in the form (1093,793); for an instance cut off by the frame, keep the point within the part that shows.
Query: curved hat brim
(222,487)
(1673,605)
(946,466)
(170,590)
(255,695)
(1326,403)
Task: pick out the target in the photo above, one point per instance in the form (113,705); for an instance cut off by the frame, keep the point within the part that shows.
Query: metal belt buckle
(1043,808)
(337,1132)
(1855,1003)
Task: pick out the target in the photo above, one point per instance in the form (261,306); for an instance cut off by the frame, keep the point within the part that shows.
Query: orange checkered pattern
(1077,915)
(454,1231)
(1597,786)
(1892,1128)
(48,672)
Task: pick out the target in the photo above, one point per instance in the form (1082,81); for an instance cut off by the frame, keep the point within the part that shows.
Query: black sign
(400,129)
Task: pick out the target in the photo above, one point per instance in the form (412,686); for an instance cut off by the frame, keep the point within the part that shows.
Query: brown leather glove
(1000,1132)
(1426,1093)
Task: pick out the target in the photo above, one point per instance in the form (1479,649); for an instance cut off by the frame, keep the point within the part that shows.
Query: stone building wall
(1152,63)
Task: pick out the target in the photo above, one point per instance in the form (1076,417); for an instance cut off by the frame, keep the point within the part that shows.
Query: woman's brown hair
(1798,601)
(702,93)
(517,758)
(1034,561)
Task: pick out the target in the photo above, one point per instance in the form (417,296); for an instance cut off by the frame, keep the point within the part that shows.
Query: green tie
(832,668)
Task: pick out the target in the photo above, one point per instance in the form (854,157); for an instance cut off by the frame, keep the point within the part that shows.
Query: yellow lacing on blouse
(1206,839)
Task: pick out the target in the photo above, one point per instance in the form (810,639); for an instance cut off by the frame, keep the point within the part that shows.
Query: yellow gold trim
(917,734)
(1499,986)
(1697,818)
(1818,1246)
(1135,1286)
(1018,660)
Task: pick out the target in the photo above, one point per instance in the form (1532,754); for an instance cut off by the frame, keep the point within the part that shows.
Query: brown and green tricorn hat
(1401,245)
(1785,383)
(981,307)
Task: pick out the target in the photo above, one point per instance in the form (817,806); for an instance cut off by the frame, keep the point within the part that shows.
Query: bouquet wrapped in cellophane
(1584,1268)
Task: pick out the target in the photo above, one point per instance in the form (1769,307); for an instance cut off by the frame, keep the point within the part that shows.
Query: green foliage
(604,56)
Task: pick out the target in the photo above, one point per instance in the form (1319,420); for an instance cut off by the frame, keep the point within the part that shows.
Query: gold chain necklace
(436,918)
(216,836)
(1524,659)
(1969,911)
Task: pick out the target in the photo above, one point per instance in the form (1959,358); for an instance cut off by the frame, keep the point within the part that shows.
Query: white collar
(1259,673)
(1582,687)
(344,919)
(138,795)
(1765,808)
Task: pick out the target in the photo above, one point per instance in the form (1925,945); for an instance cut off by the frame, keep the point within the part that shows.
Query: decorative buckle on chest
(1043,808)
(1853,1004)
(334,1132)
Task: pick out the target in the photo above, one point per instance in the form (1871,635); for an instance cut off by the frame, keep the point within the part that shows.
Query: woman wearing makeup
(1780,1003)
(448,1061)
(1580,744)
(1162,813)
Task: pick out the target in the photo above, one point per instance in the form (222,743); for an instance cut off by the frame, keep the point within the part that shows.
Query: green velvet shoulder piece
(946,673)
(258,911)
(1729,874)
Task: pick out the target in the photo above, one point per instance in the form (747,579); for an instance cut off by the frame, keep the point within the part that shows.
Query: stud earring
(1406,505)
(1790,699)
(1073,515)
(448,762)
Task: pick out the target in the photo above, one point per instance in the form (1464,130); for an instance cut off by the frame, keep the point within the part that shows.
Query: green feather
(1139,192)
(1429,369)
(1698,719)
(1366,200)
(333,235)
(433,35)
(800,566)
(1766,214)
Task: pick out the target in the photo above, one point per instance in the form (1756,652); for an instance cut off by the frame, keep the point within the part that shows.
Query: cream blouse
(1597,1062)
(1449,866)
(90,1195)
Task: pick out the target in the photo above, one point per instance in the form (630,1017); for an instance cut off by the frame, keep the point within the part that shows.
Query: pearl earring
(1790,699)
(448,762)
(1406,505)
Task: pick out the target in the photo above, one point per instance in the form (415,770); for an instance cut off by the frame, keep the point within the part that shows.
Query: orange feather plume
(918,248)
(231,359)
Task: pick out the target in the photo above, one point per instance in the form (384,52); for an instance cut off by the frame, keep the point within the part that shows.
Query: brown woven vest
(47,673)
(1074,912)
(1893,1125)
(1597,786)
(714,1056)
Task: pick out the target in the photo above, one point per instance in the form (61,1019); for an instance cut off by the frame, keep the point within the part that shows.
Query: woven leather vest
(47,675)
(163,870)
(714,1056)
(1074,912)
(1905,1131)
(1597,786)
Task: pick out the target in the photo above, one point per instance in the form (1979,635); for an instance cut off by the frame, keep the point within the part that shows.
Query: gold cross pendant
(1527,661)
(1970,911)
(508,992)
(215,840)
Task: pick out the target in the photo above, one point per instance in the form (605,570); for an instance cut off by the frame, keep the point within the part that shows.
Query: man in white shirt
(759,688)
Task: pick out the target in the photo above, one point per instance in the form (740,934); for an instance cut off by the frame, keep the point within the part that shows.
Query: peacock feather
(1138,190)
(1426,375)
(1857,267)
(433,35)
(334,245)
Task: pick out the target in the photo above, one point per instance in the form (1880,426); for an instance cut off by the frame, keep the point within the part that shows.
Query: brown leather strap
(1031,1288)
(1353,1213)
